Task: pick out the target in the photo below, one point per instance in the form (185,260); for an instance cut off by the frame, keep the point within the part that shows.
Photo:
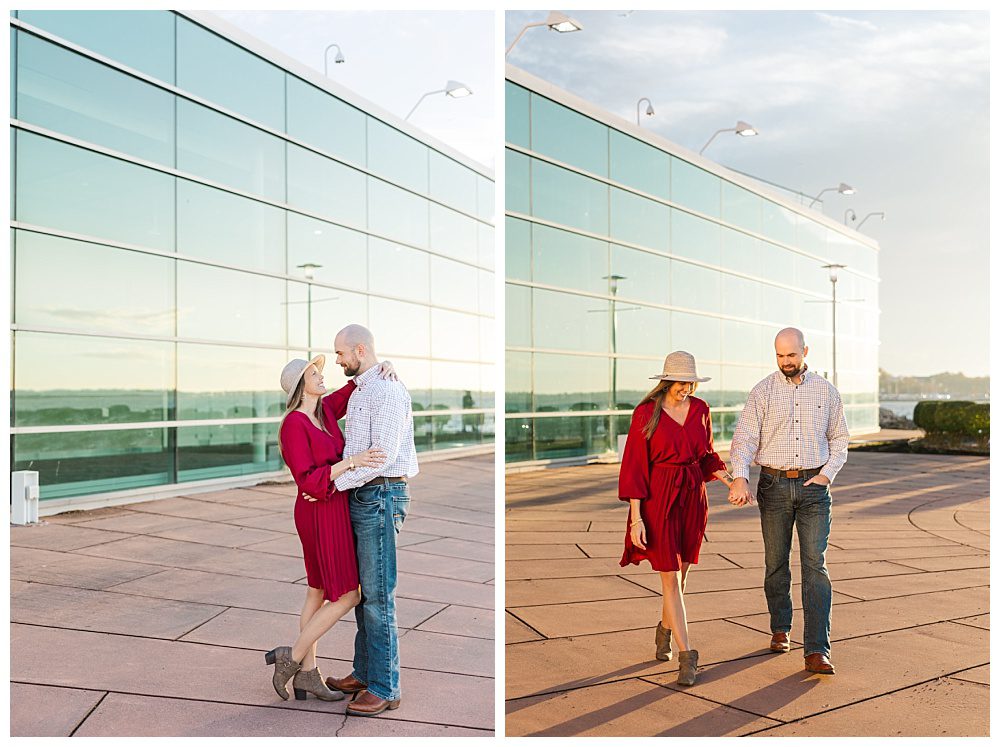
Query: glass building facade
(621,247)
(190,210)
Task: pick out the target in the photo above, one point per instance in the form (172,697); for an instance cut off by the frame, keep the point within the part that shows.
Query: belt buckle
(793,473)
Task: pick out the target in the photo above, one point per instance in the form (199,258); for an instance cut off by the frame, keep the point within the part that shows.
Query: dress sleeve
(313,479)
(335,403)
(633,478)
(710,462)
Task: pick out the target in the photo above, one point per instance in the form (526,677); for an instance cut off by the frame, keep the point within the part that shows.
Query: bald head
(355,348)
(790,351)
(353,335)
(790,336)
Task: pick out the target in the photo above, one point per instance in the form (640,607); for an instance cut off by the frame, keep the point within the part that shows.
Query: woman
(669,456)
(312,445)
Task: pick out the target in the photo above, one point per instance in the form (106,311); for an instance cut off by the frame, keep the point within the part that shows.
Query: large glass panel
(698,335)
(140,39)
(210,452)
(397,270)
(571,436)
(737,381)
(485,200)
(225,150)
(110,381)
(695,287)
(72,189)
(230,76)
(568,198)
(457,285)
(516,115)
(563,321)
(741,297)
(569,260)
(695,188)
(396,213)
(811,237)
(743,342)
(66,92)
(416,376)
(811,276)
(453,234)
(340,252)
(397,157)
(695,237)
(221,382)
(516,193)
(778,222)
(218,304)
(780,306)
(230,229)
(631,377)
(486,254)
(517,238)
(453,184)
(73,464)
(571,383)
(517,309)
(401,328)
(455,386)
(324,121)
(639,221)
(518,382)
(642,276)
(641,330)
(639,165)
(777,264)
(454,335)
(741,207)
(332,310)
(326,188)
(487,341)
(518,439)
(740,252)
(92,288)
(568,136)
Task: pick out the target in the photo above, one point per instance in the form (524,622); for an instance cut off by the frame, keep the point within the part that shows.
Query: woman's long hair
(656,394)
(293,404)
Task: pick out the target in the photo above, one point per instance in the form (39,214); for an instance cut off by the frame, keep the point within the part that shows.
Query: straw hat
(292,373)
(679,366)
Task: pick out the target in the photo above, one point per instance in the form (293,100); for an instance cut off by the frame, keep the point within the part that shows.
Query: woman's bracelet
(351,460)
(637,521)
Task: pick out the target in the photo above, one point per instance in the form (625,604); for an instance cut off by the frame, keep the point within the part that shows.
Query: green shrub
(923,415)
(959,418)
(950,417)
(977,421)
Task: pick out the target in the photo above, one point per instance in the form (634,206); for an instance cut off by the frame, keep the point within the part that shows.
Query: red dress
(668,473)
(324,527)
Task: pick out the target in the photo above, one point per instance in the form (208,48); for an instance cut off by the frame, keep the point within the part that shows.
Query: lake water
(903,408)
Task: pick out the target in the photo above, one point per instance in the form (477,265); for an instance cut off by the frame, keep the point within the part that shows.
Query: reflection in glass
(633,378)
(567,322)
(486,252)
(698,335)
(398,270)
(485,207)
(741,297)
(454,335)
(743,342)
(517,237)
(778,222)
(516,194)
(326,188)
(458,285)
(517,122)
(453,234)
(639,221)
(397,214)
(695,287)
(395,338)
(340,252)
(209,452)
(640,165)
(641,330)
(324,121)
(332,310)
(695,188)
(486,292)
(517,308)
(740,252)
(218,304)
(741,207)
(518,382)
(568,198)
(569,260)
(397,157)
(571,383)
(454,184)
(642,276)
(557,438)
(486,340)
(455,386)
(695,237)
(222,382)
(568,136)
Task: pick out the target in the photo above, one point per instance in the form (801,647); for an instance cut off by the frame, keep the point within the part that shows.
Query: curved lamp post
(854,216)
(453,88)
(649,108)
(556,21)
(742,128)
(869,216)
(336,60)
(844,189)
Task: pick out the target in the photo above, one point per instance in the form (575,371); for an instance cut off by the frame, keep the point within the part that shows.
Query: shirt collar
(806,374)
(370,375)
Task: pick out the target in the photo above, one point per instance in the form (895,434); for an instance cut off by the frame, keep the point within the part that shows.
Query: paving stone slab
(417,562)
(220,589)
(514,526)
(517,632)
(139,522)
(927,540)
(462,515)
(521,593)
(945,563)
(464,621)
(383,727)
(779,687)
(943,708)
(39,711)
(542,552)
(74,516)
(567,538)
(414,538)
(976,674)
(756,560)
(578,567)
(567,663)
(979,520)
(275,522)
(442,528)
(979,621)
(445,590)
(441,652)
(915,583)
(217,533)
(451,547)
(81,571)
(190,508)
(630,708)
(288,545)
(57,537)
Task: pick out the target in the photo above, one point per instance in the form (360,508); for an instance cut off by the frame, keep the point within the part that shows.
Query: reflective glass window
(742,342)
(517,238)
(563,321)
(741,207)
(778,222)
(516,177)
(517,121)
(225,150)
(811,237)
(780,306)
(640,165)
(93,288)
(397,270)
(517,309)
(139,39)
(639,221)
(695,188)
(737,381)
(453,184)
(393,336)
(568,198)
(568,136)
(218,304)
(777,263)
(632,379)
(230,229)
(519,442)
(485,200)
(486,254)
(324,121)
(230,76)
(810,275)
(487,340)
(694,287)
(455,386)
(556,438)
(453,234)
(569,260)
(109,381)
(571,383)
(69,188)
(416,375)
(397,214)
(641,330)
(644,276)
(210,452)
(326,188)
(397,157)
(698,335)
(454,335)
(455,284)
(222,382)
(518,382)
(486,292)
(68,93)
(741,297)
(695,237)
(740,252)
(340,252)
(331,310)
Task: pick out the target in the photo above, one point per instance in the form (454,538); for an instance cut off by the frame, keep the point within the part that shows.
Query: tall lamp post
(309,269)
(833,281)
(339,59)
(649,109)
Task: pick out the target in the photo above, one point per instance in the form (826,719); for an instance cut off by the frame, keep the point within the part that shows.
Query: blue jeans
(783,503)
(377,514)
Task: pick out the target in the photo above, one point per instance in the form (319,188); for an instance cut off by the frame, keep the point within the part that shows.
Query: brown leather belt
(791,474)
(383,481)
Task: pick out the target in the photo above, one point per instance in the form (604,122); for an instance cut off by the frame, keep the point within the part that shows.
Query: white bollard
(24,497)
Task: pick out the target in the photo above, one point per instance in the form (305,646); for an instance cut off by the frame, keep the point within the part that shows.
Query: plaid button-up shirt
(787,426)
(379,414)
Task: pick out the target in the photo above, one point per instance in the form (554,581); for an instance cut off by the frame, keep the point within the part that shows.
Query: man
(793,426)
(378,414)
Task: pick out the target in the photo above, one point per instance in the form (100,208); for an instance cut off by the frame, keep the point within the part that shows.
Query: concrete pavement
(909,559)
(152,619)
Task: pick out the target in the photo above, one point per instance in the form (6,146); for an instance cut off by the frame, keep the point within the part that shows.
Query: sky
(393,57)
(894,103)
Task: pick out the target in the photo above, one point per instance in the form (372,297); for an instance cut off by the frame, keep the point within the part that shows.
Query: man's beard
(352,369)
(792,374)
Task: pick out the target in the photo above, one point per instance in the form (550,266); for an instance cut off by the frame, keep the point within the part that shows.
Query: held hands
(739,492)
(818,479)
(373,457)
(388,371)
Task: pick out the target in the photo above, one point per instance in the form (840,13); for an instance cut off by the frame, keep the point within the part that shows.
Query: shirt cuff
(829,473)
(743,472)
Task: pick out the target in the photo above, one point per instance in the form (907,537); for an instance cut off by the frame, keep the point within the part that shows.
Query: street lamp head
(457,90)
(339,58)
(744,129)
(649,110)
(562,23)
(310,268)
(833,271)
(846,189)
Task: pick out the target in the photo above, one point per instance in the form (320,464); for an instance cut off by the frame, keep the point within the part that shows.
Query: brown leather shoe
(819,664)
(367,704)
(349,684)
(780,643)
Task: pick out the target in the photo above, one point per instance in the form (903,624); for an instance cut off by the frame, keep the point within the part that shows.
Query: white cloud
(842,22)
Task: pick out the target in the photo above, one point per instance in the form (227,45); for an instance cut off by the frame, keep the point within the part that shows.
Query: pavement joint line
(958,621)
(909,517)
(728,560)
(432,616)
(968,682)
(88,714)
(223,611)
(955,518)
(585,553)
(439,555)
(688,692)
(342,725)
(527,625)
